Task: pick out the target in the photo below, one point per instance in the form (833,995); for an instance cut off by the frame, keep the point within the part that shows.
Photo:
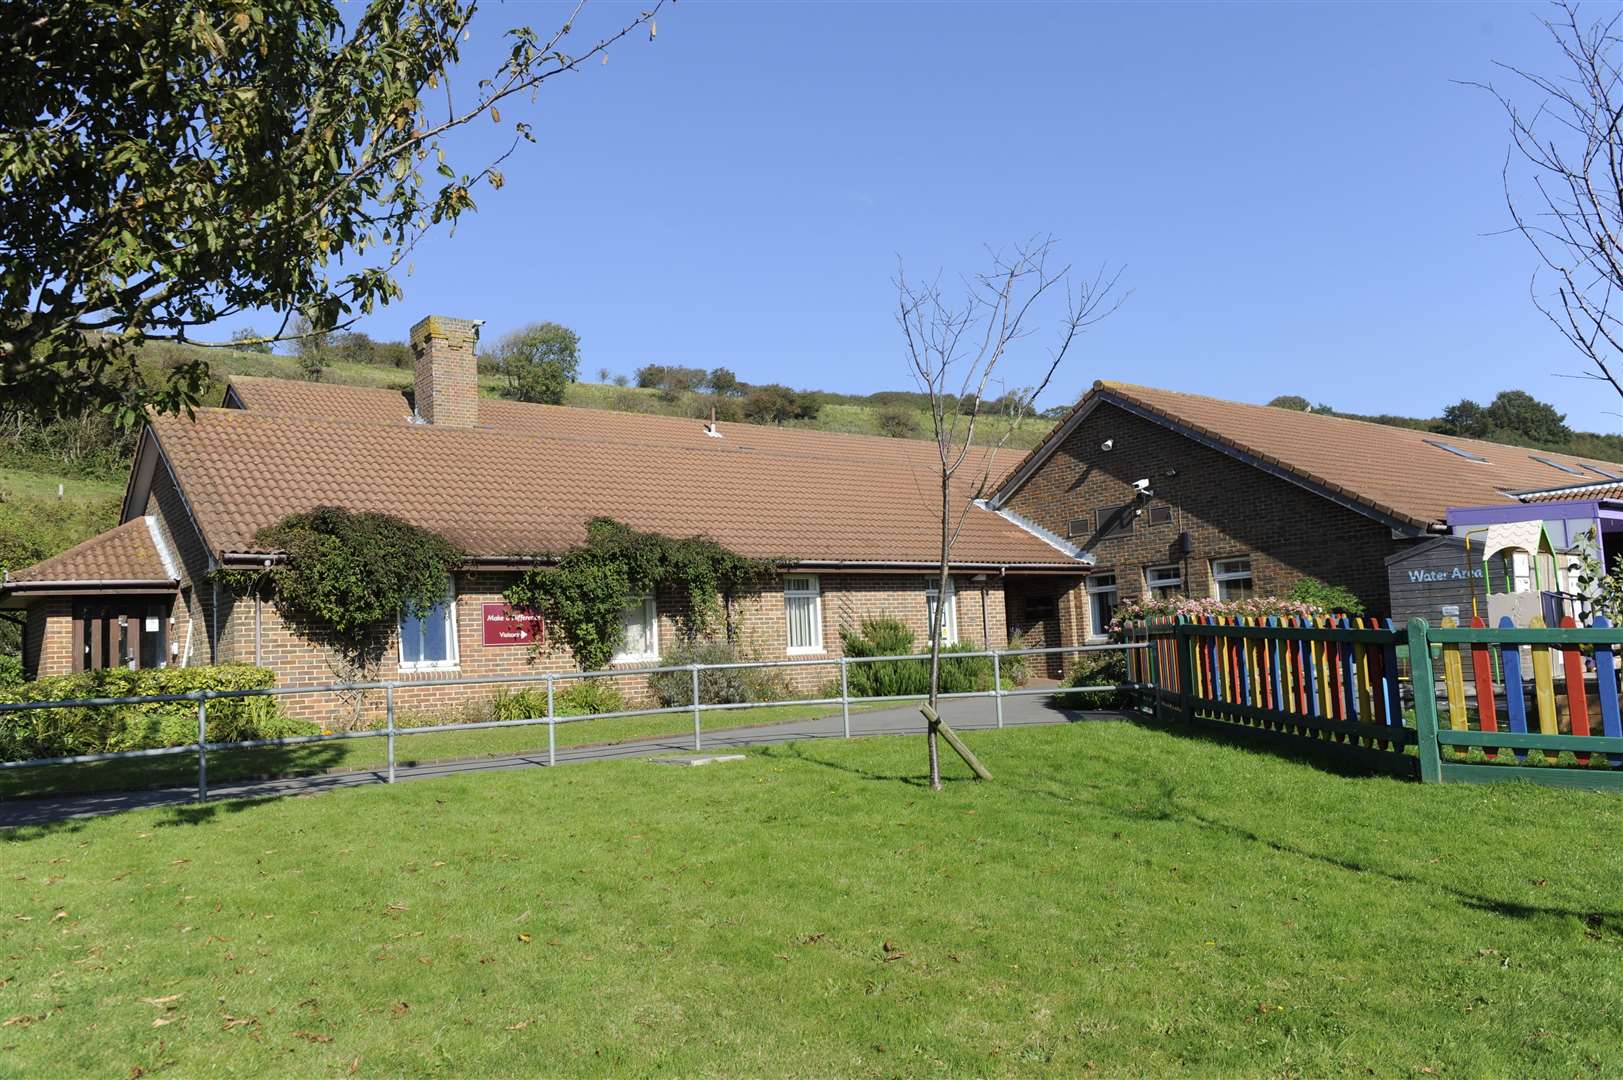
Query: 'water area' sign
(504,626)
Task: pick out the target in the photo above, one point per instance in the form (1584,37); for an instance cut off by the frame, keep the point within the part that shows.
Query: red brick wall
(447,377)
(1226,506)
(759,623)
(48,639)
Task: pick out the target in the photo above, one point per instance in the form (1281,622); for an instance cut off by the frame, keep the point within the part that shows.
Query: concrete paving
(963,715)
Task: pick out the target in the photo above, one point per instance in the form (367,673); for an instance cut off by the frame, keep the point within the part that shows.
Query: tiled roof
(528,478)
(1397,472)
(126,553)
(1586,493)
(287,397)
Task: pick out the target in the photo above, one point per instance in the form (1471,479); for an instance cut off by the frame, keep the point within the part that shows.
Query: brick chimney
(447,381)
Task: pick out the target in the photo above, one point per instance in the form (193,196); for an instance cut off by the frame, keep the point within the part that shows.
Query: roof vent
(1452,449)
(710,428)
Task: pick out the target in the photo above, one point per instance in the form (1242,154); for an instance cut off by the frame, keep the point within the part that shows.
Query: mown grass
(1120,901)
(264,763)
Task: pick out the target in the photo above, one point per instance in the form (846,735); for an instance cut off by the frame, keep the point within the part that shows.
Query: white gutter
(164,553)
(1053,540)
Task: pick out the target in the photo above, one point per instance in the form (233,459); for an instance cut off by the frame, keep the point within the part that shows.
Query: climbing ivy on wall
(583,595)
(345,577)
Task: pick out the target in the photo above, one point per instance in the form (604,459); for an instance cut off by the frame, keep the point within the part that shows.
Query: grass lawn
(352,754)
(1120,901)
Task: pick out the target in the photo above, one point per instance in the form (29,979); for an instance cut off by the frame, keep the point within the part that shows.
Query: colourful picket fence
(1477,704)
(1332,682)
(1555,686)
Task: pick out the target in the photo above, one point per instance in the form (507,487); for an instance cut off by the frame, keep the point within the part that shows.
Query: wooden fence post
(1425,703)
(1181,641)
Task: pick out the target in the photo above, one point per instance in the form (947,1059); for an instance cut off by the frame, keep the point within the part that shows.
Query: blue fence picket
(1510,657)
(1606,689)
(1349,677)
(1394,694)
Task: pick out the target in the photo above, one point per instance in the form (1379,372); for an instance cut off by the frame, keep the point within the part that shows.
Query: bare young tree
(955,345)
(1563,180)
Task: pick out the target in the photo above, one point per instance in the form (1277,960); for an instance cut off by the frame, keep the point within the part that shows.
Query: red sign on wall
(504,626)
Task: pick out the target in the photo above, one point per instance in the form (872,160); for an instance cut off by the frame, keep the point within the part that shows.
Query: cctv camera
(1143,486)
(1107,445)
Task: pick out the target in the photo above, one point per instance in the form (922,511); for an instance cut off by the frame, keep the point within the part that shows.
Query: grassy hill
(839,412)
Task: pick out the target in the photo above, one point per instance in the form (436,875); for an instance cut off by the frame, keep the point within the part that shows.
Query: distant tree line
(1514,417)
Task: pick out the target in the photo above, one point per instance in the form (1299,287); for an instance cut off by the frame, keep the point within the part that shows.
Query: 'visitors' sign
(504,626)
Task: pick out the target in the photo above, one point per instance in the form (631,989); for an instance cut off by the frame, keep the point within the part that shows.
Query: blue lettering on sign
(1458,573)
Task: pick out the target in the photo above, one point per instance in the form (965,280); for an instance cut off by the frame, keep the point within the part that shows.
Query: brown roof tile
(125,553)
(1398,472)
(528,478)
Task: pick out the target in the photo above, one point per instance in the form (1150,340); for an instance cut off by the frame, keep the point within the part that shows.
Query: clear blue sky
(1304,199)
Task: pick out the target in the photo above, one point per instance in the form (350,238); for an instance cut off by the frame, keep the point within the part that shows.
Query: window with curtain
(428,638)
(949,613)
(639,623)
(803,608)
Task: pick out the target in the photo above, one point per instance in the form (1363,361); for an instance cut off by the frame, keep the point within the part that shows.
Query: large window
(639,625)
(428,638)
(949,612)
(1163,582)
(1231,578)
(1101,604)
(803,608)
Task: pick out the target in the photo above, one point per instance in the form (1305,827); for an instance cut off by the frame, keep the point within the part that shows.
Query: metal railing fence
(392,731)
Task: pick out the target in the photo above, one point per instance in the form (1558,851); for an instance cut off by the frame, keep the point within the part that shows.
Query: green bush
(910,678)
(11,671)
(1337,599)
(729,686)
(586,697)
(1096,669)
(113,728)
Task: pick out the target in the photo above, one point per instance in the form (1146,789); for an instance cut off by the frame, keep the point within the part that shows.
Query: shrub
(523,704)
(1096,669)
(897,422)
(729,686)
(1016,670)
(910,678)
(585,697)
(11,671)
(1337,599)
(112,728)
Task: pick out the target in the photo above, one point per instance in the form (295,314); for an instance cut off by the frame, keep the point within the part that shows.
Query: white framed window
(949,612)
(1163,582)
(803,609)
(1101,604)
(428,639)
(1231,578)
(639,631)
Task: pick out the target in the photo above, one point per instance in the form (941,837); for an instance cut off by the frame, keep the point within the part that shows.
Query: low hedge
(41,733)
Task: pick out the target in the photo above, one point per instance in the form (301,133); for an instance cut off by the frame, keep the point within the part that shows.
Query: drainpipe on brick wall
(214,625)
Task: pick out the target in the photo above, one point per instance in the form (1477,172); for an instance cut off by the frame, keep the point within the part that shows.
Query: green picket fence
(1441,704)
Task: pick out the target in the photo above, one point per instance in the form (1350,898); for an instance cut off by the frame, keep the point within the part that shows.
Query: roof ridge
(1465,441)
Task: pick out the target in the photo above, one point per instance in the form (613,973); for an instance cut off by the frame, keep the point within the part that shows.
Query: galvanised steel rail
(202,746)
